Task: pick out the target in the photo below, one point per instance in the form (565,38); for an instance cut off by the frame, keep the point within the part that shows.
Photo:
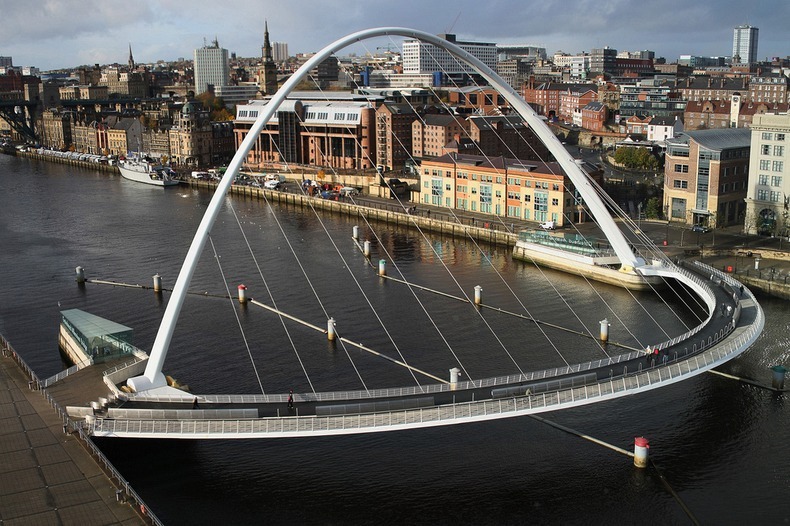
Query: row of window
(774,166)
(770,136)
(776,180)
(778,150)
(765,195)
(511,181)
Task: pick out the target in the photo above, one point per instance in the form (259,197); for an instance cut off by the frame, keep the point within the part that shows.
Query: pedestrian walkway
(47,476)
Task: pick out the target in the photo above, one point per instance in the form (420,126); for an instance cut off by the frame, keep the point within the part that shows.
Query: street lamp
(639,209)
(666,216)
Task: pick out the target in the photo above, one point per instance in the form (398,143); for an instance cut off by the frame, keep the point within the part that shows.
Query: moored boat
(143,170)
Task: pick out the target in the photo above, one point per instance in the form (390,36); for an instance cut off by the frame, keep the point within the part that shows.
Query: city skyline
(72,33)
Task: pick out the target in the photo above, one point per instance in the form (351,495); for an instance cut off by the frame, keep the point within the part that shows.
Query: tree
(653,208)
(215,105)
(636,158)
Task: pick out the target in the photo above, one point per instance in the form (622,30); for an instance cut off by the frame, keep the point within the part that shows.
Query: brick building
(502,187)
(705,176)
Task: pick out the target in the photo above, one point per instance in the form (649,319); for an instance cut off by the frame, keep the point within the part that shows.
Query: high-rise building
(744,44)
(280,51)
(6,62)
(421,57)
(211,67)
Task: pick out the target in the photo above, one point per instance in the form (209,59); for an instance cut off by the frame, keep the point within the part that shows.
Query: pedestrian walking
(290,399)
(195,403)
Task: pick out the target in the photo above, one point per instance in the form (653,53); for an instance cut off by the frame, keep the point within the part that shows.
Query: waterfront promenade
(48,476)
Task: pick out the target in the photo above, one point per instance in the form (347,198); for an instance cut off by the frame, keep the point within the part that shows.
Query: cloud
(65,33)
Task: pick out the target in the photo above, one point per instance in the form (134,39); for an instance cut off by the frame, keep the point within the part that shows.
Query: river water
(721,445)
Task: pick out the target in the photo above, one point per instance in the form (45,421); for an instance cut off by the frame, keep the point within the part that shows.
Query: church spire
(131,58)
(267,47)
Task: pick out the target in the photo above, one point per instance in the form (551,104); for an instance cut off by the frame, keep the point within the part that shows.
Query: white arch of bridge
(153,377)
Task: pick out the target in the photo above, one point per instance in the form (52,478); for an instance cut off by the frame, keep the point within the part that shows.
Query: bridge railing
(443,388)
(37,384)
(292,426)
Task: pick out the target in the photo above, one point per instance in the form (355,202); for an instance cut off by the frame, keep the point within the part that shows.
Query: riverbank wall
(71,162)
(371,213)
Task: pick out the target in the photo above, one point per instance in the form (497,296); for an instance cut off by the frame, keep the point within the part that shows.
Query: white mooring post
(80,275)
(778,381)
(641,447)
(366,248)
(242,293)
(604,330)
(330,329)
(478,295)
(355,232)
(455,372)
(382,267)
(157,283)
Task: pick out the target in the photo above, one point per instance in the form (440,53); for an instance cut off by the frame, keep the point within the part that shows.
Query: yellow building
(502,187)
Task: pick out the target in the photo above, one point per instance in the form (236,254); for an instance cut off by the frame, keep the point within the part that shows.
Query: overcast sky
(51,34)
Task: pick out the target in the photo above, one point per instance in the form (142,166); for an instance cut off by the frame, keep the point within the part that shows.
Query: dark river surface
(724,447)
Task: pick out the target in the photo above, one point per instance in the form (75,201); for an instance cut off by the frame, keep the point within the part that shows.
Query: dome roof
(187,109)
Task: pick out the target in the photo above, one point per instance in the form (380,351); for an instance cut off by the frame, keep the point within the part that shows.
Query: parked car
(700,228)
(271,184)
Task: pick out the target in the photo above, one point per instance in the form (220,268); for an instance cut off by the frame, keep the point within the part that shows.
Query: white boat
(144,171)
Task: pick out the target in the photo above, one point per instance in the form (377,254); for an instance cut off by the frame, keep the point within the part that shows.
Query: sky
(54,34)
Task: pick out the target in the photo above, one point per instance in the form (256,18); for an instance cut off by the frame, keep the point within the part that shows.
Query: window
(682,168)
(762,195)
(527,198)
(555,202)
(779,151)
(765,164)
(776,180)
(681,184)
(775,196)
(765,149)
(762,179)
(767,136)
(555,187)
(780,136)
(777,166)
